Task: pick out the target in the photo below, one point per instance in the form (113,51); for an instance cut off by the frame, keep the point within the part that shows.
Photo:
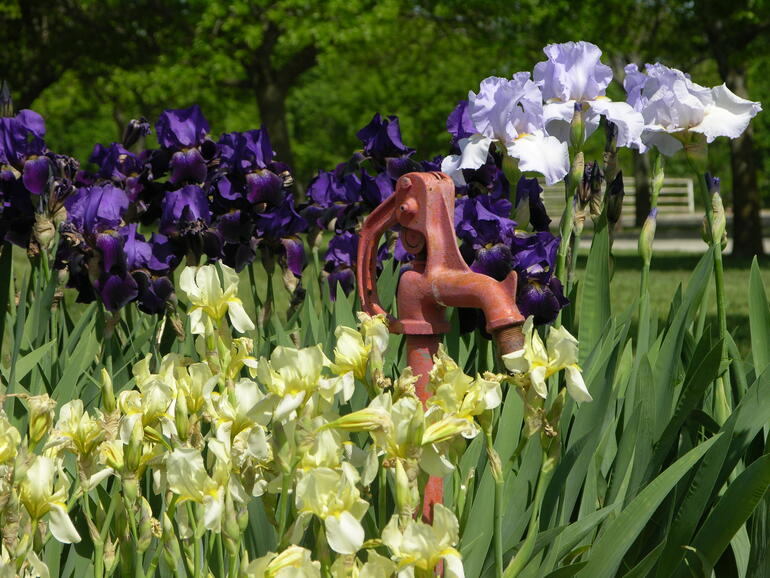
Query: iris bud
(181,417)
(614,196)
(231,531)
(108,394)
(40,416)
(6,102)
(495,464)
(171,552)
(647,235)
(135,129)
(720,221)
(44,231)
(133,450)
(577,128)
(145,526)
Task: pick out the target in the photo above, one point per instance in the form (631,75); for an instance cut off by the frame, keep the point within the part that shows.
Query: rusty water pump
(423,205)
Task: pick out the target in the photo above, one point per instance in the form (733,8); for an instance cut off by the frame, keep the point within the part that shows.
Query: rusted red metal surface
(423,205)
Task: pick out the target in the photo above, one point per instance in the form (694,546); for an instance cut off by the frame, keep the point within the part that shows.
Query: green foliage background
(90,66)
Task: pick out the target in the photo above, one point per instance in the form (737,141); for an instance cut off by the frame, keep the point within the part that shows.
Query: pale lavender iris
(574,75)
(673,106)
(510,112)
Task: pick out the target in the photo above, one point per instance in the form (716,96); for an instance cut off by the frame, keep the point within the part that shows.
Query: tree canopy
(315,72)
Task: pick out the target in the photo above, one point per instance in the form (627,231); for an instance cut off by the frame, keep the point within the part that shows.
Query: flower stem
(382,488)
(722,384)
(283,514)
(499,477)
(522,556)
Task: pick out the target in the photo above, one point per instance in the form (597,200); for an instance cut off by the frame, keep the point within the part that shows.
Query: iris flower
(673,105)
(212,299)
(574,75)
(540,361)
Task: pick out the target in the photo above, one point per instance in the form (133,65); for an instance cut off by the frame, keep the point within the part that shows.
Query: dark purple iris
(528,193)
(382,138)
(246,151)
(376,189)
(459,124)
(480,226)
(185,210)
(22,147)
(18,212)
(182,128)
(539,293)
(278,230)
(183,133)
(97,208)
(119,165)
(341,261)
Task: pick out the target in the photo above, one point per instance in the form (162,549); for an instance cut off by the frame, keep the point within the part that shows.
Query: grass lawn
(671,269)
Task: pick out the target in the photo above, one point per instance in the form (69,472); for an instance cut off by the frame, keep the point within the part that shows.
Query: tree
(734,32)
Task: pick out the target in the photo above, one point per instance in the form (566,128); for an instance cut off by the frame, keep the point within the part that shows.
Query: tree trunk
(747,201)
(642,195)
(271,99)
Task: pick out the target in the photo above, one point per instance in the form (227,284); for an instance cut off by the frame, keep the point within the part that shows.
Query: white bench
(676,197)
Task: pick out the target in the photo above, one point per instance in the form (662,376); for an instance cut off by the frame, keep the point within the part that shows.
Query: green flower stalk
(696,152)
(577,138)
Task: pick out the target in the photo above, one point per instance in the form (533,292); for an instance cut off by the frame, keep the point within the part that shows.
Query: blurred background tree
(314,72)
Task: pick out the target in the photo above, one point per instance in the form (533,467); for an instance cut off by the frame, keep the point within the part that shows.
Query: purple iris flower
(340,262)
(246,151)
(460,124)
(335,195)
(182,128)
(528,191)
(396,167)
(382,138)
(539,292)
(18,211)
(183,133)
(480,226)
(433,165)
(148,263)
(97,208)
(116,291)
(278,230)
(264,186)
(135,129)
(185,210)
(375,189)
(118,164)
(335,187)
(142,254)
(22,147)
